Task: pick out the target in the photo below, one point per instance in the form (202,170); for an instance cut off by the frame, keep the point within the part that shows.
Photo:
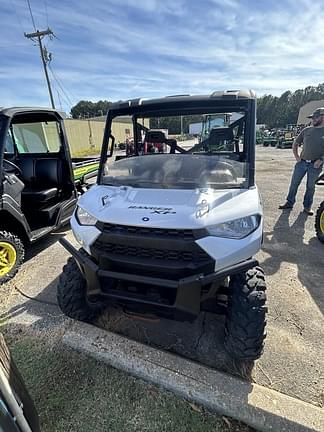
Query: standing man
(309,162)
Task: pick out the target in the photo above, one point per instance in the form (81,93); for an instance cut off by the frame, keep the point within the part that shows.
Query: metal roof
(307,110)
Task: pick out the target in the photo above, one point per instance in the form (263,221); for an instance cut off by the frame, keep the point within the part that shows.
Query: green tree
(279,111)
(86,109)
(273,111)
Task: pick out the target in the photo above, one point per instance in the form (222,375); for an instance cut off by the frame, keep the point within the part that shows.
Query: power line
(60,84)
(17,15)
(68,94)
(61,96)
(31,15)
(56,75)
(46,12)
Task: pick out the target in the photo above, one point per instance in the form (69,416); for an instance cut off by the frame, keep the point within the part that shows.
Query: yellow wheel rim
(8,257)
(322,222)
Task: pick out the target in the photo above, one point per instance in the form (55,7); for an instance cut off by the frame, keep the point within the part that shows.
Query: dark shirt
(312,139)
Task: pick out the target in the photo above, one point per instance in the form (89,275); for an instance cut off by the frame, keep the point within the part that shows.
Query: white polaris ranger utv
(174,232)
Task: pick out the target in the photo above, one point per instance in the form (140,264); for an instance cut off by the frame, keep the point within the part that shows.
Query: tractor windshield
(213,121)
(189,151)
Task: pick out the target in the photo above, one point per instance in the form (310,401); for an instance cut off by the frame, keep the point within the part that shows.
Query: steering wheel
(13,165)
(230,167)
(223,166)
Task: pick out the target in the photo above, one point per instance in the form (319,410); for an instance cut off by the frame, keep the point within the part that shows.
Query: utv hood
(171,208)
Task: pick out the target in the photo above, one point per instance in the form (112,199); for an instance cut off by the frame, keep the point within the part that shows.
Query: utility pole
(37,37)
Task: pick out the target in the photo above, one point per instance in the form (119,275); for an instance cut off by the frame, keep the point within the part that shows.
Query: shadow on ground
(286,243)
(201,340)
(32,250)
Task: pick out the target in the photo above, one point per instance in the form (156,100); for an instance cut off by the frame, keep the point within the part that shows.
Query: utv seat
(42,178)
(155,136)
(39,195)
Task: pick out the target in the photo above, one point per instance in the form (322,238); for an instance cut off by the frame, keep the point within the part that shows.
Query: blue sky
(116,49)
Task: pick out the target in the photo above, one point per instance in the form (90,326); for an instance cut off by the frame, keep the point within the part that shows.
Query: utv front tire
(246,315)
(72,297)
(12,253)
(319,223)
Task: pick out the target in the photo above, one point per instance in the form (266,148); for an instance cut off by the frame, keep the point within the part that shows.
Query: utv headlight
(84,218)
(236,229)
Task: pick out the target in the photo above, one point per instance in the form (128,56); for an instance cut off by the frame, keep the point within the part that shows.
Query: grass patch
(76,393)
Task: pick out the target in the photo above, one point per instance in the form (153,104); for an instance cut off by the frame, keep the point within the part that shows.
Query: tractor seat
(39,195)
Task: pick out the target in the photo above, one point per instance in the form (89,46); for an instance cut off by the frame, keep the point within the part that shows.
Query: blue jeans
(301,169)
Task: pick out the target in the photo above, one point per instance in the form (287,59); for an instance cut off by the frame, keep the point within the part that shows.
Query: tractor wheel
(12,253)
(246,315)
(319,223)
(72,297)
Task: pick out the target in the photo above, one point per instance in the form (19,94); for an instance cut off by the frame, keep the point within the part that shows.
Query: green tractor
(286,140)
(259,137)
(212,121)
(271,139)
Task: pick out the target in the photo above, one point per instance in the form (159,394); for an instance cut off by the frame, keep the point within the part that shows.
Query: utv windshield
(176,171)
(179,152)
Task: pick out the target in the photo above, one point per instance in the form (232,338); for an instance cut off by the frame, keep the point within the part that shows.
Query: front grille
(153,254)
(148,232)
(169,253)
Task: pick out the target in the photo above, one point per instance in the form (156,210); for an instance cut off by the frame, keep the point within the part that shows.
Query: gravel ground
(292,258)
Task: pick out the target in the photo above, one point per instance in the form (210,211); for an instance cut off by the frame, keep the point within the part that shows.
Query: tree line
(278,111)
(274,111)
(88,109)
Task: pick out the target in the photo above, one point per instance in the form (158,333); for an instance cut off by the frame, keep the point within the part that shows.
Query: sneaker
(285,206)
(308,211)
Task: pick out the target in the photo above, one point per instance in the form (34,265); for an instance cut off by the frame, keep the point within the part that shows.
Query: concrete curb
(257,406)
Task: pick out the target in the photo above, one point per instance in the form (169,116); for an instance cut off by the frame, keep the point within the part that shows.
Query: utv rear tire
(319,223)
(246,315)
(72,297)
(13,252)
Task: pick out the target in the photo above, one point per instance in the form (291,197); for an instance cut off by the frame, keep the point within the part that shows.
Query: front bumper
(186,292)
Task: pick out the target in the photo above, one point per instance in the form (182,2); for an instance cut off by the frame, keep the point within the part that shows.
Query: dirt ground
(292,257)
